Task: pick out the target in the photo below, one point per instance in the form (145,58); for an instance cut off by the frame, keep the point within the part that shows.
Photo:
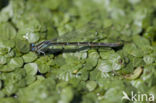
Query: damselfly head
(32,47)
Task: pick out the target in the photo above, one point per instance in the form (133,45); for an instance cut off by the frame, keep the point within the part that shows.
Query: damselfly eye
(33,45)
(33,49)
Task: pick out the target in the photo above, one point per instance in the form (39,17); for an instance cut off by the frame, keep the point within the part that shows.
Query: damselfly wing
(90,36)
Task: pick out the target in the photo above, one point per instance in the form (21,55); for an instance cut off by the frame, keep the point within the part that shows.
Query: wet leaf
(32,37)
(44,64)
(5,47)
(110,62)
(148,59)
(92,60)
(8,32)
(66,95)
(91,85)
(30,57)
(45,88)
(16,62)
(22,46)
(3,60)
(31,68)
(133,50)
(7,68)
(8,100)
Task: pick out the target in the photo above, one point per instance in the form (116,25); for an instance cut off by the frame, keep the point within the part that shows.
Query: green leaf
(153,91)
(10,89)
(110,62)
(8,32)
(5,47)
(89,98)
(32,37)
(30,79)
(22,46)
(8,100)
(66,95)
(43,68)
(146,80)
(42,90)
(115,92)
(91,85)
(30,57)
(97,74)
(6,12)
(106,54)
(52,4)
(6,68)
(92,60)
(148,59)
(140,41)
(16,62)
(31,68)
(44,64)
(104,66)
(3,60)
(133,50)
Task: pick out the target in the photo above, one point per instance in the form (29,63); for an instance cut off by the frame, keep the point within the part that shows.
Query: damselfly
(67,40)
